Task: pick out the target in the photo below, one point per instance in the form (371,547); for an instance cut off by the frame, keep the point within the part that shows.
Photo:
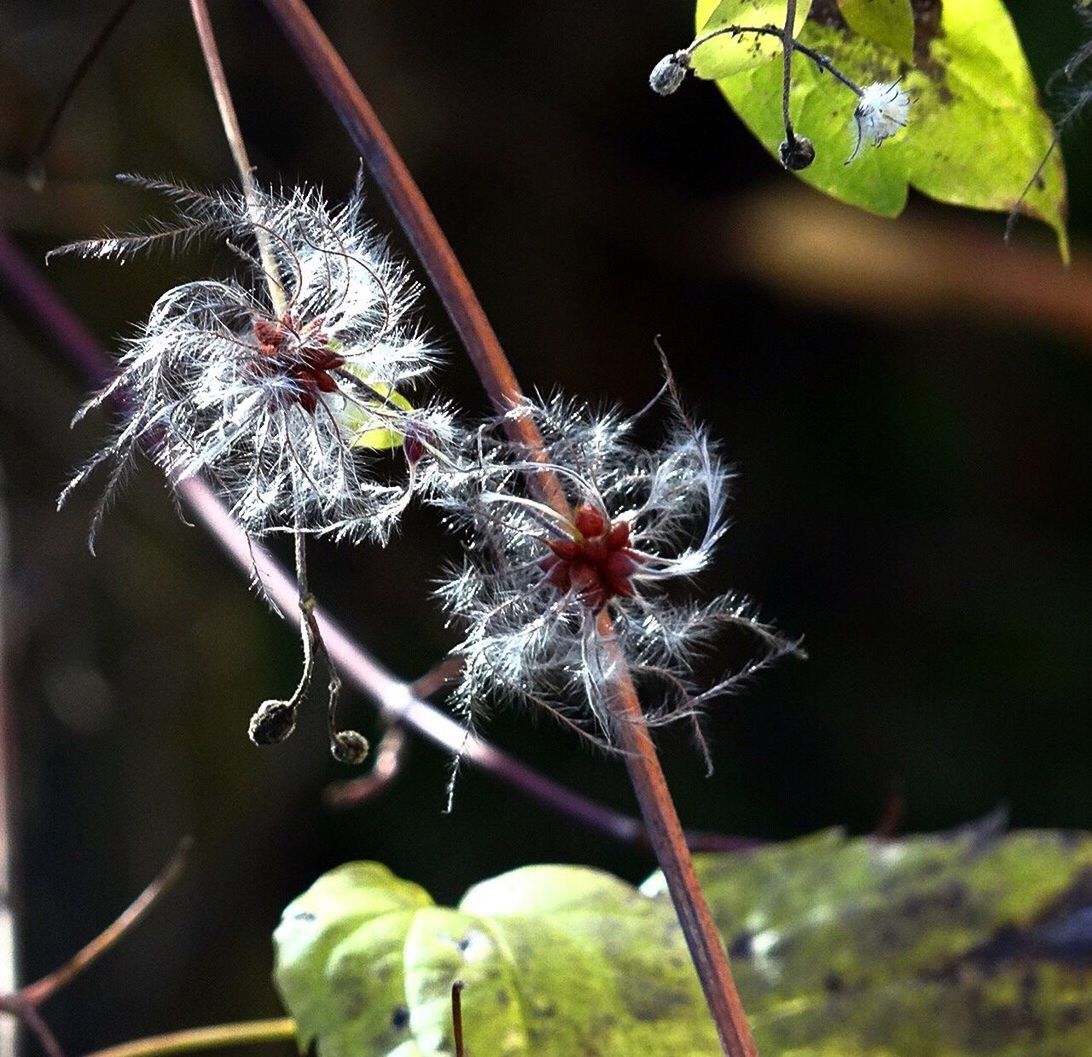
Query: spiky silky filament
(530,594)
(289,411)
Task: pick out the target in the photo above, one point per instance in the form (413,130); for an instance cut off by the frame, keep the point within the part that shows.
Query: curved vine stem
(499,381)
(217,1036)
(822,62)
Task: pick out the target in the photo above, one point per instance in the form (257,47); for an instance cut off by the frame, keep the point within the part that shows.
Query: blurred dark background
(913,495)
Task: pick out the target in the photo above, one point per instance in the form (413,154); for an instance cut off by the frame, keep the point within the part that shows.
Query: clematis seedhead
(288,385)
(542,590)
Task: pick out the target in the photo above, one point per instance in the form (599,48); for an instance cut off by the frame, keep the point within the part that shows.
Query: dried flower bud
(347,746)
(273,722)
(669,72)
(797,153)
(413,447)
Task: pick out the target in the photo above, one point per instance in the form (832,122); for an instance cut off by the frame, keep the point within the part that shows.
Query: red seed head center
(596,562)
(300,354)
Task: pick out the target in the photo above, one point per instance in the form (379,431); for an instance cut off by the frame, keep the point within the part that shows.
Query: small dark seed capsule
(272,723)
(797,153)
(669,73)
(347,746)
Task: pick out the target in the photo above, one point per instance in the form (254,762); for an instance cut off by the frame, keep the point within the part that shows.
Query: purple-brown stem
(24,1003)
(457,1015)
(665,834)
(657,807)
(37,993)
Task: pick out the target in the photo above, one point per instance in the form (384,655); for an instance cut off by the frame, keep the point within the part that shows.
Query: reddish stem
(333,77)
(665,833)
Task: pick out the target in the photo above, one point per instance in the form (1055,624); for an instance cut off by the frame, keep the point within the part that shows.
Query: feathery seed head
(882,109)
(536,582)
(286,388)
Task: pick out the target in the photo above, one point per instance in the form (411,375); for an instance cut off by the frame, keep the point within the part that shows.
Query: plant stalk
(247,1033)
(665,833)
(499,381)
(416,219)
(234,134)
(788,42)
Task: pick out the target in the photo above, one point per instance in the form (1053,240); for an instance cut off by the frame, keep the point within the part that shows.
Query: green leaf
(557,961)
(886,22)
(364,420)
(976,131)
(967,944)
(353,921)
(970,944)
(726,54)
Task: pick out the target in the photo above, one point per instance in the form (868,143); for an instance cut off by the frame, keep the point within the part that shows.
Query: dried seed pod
(349,747)
(273,722)
(797,153)
(669,73)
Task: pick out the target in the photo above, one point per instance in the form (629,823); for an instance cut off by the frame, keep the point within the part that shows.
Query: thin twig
(36,163)
(24,1003)
(823,62)
(37,993)
(34,1020)
(228,118)
(666,836)
(247,1033)
(432,682)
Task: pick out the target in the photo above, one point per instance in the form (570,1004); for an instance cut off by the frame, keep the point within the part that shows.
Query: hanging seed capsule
(272,723)
(669,73)
(349,747)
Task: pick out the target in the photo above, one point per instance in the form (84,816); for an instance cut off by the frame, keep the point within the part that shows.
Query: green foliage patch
(972,943)
(976,132)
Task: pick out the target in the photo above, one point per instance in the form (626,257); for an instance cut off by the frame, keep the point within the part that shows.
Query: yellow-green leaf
(967,944)
(363,419)
(725,53)
(556,961)
(975,132)
(886,22)
(972,944)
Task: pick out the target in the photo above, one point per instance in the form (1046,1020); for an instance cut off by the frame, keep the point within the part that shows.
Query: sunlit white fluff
(296,413)
(535,636)
(882,109)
